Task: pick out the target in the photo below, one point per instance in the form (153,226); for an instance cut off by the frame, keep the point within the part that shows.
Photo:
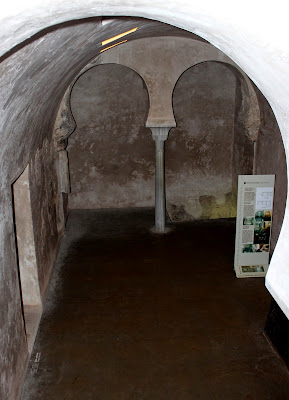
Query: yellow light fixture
(113,45)
(118,36)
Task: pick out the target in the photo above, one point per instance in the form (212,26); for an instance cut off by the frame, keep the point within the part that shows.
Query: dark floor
(135,316)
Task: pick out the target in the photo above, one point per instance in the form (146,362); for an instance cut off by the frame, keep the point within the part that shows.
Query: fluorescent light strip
(118,36)
(116,44)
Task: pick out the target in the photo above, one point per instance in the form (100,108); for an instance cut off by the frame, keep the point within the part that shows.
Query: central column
(160,134)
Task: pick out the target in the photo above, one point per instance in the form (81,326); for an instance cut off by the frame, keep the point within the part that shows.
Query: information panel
(253,228)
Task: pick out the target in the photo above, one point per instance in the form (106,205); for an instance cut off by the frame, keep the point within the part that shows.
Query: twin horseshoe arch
(65,123)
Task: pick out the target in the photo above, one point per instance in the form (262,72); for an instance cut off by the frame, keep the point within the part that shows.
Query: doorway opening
(27,263)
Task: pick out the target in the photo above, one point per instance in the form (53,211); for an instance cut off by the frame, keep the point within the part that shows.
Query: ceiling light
(113,45)
(118,36)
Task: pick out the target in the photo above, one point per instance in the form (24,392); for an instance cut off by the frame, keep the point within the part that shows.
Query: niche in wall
(111,152)
(199,151)
(28,274)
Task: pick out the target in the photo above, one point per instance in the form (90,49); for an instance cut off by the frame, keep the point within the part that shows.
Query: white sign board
(253,227)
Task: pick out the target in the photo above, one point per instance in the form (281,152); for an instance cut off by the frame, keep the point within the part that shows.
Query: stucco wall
(160,62)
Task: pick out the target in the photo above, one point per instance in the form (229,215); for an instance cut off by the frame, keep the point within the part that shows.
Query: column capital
(160,133)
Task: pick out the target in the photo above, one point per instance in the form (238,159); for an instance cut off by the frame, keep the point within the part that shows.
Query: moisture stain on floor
(132,315)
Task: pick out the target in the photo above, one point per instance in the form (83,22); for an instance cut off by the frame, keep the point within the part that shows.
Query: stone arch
(65,125)
(203,144)
(249,113)
(248,137)
(250,105)
(110,152)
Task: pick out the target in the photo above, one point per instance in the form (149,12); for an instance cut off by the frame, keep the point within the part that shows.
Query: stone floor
(135,316)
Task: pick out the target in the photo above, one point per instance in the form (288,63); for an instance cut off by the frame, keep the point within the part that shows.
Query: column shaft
(160,134)
(160,212)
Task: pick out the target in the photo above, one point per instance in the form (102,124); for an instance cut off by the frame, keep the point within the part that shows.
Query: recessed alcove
(28,272)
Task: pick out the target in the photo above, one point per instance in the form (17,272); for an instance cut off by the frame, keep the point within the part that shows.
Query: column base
(161,232)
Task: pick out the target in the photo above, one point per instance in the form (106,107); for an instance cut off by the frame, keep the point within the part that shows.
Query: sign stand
(253,227)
